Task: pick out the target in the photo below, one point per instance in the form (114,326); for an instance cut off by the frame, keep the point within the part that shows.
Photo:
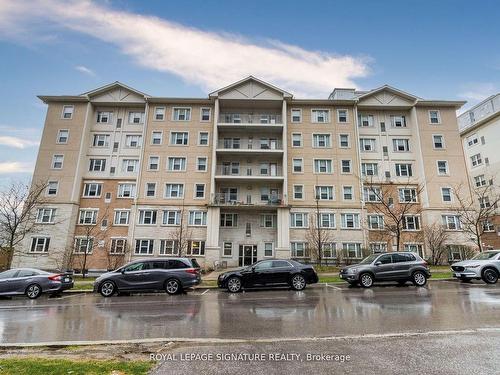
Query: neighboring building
(480,131)
(239,176)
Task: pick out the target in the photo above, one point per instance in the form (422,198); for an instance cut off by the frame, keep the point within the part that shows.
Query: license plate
(66,280)
(457,275)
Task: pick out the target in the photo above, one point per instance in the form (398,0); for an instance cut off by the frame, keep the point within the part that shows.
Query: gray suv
(485,266)
(396,266)
(171,275)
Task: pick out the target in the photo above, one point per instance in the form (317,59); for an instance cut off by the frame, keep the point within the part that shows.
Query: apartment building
(480,130)
(241,175)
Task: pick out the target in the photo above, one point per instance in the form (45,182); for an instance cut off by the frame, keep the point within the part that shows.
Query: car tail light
(193,271)
(55,277)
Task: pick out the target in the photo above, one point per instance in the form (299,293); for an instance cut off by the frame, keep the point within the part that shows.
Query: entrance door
(247,255)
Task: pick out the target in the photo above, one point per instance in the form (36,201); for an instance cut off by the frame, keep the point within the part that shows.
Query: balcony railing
(248,144)
(227,199)
(249,171)
(250,118)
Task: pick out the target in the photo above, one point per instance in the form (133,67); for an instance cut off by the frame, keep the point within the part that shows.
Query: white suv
(485,266)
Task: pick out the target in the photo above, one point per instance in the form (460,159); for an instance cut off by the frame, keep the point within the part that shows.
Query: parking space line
(206,291)
(333,286)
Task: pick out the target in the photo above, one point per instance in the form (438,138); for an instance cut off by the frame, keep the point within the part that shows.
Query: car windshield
(486,255)
(369,259)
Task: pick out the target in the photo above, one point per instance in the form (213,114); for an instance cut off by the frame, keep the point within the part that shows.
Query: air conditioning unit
(112,170)
(382,126)
(119,123)
(387,174)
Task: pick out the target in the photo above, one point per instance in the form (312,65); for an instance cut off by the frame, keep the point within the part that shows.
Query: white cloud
(208,59)
(85,70)
(8,167)
(16,142)
(475,93)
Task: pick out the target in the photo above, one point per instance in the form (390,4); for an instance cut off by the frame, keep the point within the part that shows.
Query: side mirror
(253,269)
(123,271)
(378,263)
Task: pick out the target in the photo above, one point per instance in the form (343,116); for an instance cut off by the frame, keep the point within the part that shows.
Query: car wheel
(419,278)
(33,291)
(490,276)
(172,286)
(234,284)
(366,280)
(298,282)
(107,288)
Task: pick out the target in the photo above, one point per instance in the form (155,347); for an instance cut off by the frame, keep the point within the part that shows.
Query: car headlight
(473,266)
(352,270)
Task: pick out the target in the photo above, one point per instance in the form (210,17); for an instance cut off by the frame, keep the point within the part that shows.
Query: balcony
(233,171)
(249,146)
(259,120)
(233,200)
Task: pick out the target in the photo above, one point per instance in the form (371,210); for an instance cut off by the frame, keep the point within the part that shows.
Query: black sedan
(271,272)
(33,282)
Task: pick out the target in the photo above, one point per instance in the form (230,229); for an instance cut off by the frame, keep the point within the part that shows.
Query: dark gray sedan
(33,282)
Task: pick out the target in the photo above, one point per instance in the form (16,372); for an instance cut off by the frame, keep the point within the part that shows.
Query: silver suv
(485,266)
(396,266)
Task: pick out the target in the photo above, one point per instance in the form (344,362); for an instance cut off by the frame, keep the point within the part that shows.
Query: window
(97,165)
(147,217)
(446,194)
(118,246)
(156,138)
(484,202)
(88,217)
(179,138)
(196,248)
(40,245)
(365,120)
(159,113)
(375,222)
(296,115)
(344,140)
(268,249)
(434,117)
(299,220)
(153,163)
(404,170)
(442,167)
(369,169)
(203,139)
(321,140)
(320,115)
(347,193)
(398,121)
(411,222)
(144,247)
(372,193)
(322,166)
(201,164)
(342,115)
(84,245)
(472,140)
(171,217)
(476,160)
(327,220)
(45,215)
(205,114)
(182,114)
(298,249)
(297,165)
(126,191)
(346,166)
(378,247)
(57,161)
(136,118)
(121,217)
(324,192)
(401,145)
(176,164)
(52,187)
(296,140)
(407,195)
(227,249)
(92,190)
(352,249)
(133,141)
(488,226)
(104,117)
(451,222)
(130,165)
(268,221)
(62,136)
(101,140)
(414,248)
(329,250)
(298,191)
(367,144)
(438,141)
(151,189)
(169,247)
(350,221)
(67,112)
(228,220)
(480,180)
(199,190)
(197,218)
(174,190)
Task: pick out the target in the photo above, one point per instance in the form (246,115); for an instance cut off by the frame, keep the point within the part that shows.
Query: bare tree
(118,257)
(181,234)
(317,236)
(476,211)
(18,209)
(436,236)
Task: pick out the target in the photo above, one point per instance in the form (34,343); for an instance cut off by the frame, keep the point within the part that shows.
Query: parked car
(269,272)
(396,266)
(171,275)
(33,282)
(485,266)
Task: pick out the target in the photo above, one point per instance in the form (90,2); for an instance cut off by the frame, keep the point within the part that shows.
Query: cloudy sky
(446,49)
